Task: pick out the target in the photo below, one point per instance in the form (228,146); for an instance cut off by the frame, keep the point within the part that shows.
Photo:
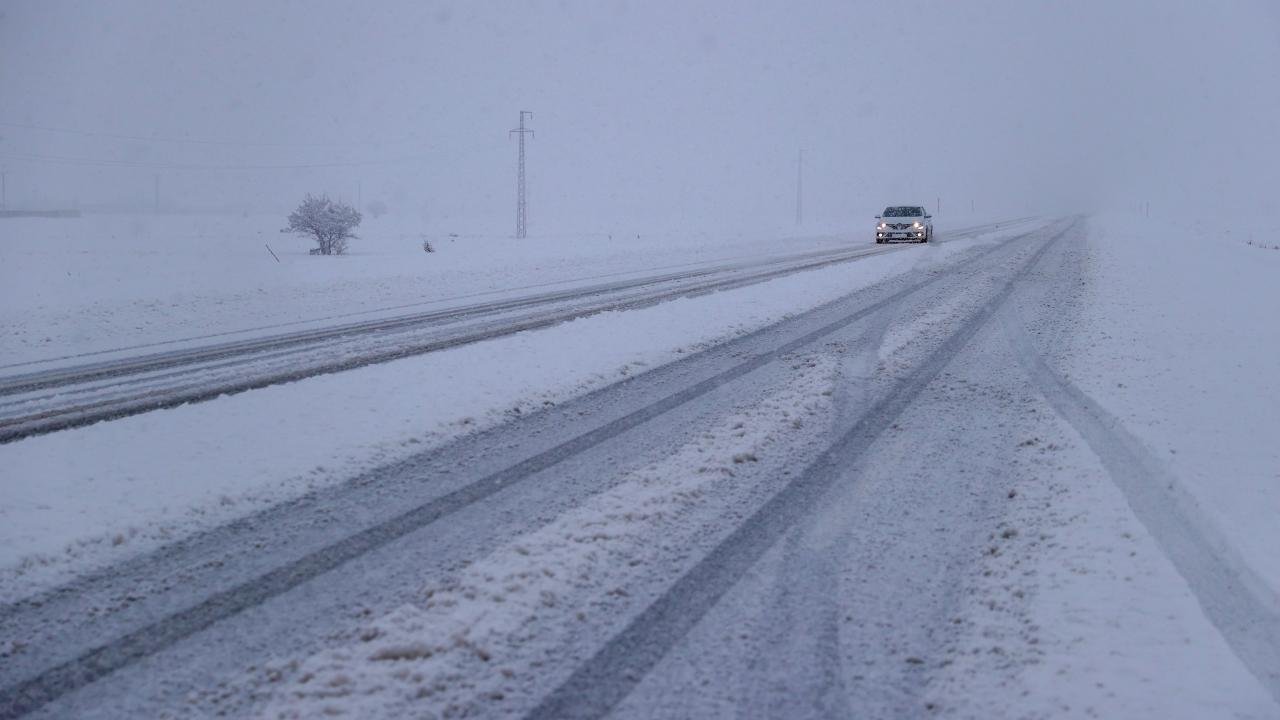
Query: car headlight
(881,226)
(917,225)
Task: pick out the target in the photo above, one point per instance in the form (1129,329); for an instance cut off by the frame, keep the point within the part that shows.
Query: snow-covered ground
(1076,611)
(98,282)
(1092,600)
(465,637)
(1071,603)
(76,499)
(1073,610)
(1181,342)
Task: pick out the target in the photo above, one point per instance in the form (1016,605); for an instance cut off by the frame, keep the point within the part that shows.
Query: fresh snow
(1180,340)
(1077,610)
(80,498)
(96,283)
(470,643)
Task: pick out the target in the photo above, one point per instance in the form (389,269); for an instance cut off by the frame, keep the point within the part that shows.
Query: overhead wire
(149,165)
(198,141)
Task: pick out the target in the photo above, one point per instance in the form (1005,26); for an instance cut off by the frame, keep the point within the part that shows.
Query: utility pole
(156,178)
(4,191)
(359,194)
(522,204)
(800,188)
(938,207)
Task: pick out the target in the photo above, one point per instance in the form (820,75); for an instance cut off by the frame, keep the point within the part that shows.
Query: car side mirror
(926,217)
(877,217)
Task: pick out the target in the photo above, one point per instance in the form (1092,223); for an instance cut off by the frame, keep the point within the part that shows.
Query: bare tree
(329,222)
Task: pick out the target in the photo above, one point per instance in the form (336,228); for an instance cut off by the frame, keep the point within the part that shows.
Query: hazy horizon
(647,115)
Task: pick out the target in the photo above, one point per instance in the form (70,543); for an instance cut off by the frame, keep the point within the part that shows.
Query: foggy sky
(648,115)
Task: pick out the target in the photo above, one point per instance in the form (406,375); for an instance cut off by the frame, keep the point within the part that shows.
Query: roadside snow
(1077,612)
(1094,598)
(100,282)
(78,285)
(1180,340)
(82,498)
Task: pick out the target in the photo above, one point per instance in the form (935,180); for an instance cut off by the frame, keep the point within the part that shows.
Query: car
(910,223)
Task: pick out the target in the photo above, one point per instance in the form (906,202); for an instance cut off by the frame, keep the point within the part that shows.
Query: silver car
(908,223)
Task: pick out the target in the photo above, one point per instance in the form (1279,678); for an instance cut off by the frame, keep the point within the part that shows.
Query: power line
(800,188)
(196,141)
(66,160)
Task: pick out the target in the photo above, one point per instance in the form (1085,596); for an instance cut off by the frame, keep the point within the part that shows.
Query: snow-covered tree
(329,222)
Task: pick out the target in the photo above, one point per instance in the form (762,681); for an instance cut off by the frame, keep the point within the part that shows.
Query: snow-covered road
(64,392)
(897,503)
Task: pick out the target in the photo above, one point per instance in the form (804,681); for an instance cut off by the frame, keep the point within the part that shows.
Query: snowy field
(1181,343)
(99,282)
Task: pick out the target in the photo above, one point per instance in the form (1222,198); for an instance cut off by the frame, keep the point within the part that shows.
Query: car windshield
(903,211)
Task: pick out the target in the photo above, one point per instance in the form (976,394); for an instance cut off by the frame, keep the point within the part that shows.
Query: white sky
(649,115)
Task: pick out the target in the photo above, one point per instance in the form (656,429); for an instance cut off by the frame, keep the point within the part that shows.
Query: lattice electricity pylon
(522,202)
(800,189)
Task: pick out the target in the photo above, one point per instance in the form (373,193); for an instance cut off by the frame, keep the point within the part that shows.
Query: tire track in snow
(152,395)
(684,269)
(1239,603)
(96,392)
(807,633)
(98,662)
(598,685)
(464,643)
